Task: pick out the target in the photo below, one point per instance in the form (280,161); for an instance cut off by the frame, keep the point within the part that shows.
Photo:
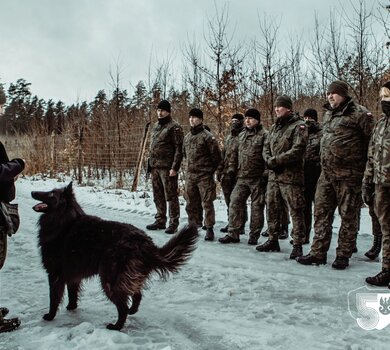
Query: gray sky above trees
(67,48)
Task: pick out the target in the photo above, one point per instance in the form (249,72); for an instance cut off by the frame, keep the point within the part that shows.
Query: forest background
(105,139)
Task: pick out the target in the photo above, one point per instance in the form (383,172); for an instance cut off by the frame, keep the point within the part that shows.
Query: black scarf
(386,107)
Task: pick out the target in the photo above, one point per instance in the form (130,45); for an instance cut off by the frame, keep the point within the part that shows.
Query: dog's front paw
(113,327)
(71,306)
(48,317)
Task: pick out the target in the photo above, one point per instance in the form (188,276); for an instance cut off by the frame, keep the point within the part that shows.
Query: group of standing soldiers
(286,169)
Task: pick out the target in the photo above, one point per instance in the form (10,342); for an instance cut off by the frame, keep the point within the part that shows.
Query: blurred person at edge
(8,172)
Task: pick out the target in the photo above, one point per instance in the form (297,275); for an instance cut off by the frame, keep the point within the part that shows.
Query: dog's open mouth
(40,207)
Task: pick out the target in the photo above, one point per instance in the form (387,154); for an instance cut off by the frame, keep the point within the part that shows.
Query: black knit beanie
(196,112)
(338,87)
(387,85)
(238,116)
(165,105)
(253,113)
(2,97)
(284,101)
(311,113)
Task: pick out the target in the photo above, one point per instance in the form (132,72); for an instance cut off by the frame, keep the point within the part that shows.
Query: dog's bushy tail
(177,250)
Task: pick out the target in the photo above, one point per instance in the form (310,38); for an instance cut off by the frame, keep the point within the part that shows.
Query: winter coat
(8,170)
(229,145)
(346,134)
(312,167)
(201,150)
(247,160)
(378,162)
(285,145)
(166,145)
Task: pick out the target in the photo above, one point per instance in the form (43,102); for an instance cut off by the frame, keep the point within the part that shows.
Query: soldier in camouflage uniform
(347,128)
(225,175)
(165,158)
(248,163)
(376,183)
(312,168)
(284,155)
(8,171)
(202,153)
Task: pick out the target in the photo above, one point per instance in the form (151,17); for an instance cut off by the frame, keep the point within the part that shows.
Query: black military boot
(265,233)
(374,251)
(228,239)
(225,229)
(340,263)
(269,246)
(284,233)
(4,311)
(209,234)
(382,279)
(155,226)
(253,238)
(171,230)
(9,325)
(310,260)
(296,251)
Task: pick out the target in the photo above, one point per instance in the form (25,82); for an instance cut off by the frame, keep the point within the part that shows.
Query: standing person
(284,156)
(201,150)
(225,174)
(164,162)
(8,171)
(347,128)
(377,181)
(248,163)
(312,168)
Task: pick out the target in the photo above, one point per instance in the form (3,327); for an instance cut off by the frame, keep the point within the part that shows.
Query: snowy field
(226,297)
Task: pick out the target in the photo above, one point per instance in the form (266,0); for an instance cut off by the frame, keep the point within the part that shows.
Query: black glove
(271,163)
(368,191)
(278,169)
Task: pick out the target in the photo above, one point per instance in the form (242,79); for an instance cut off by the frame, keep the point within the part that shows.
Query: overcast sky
(65,48)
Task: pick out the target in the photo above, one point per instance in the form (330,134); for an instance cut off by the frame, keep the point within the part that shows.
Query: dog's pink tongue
(39,206)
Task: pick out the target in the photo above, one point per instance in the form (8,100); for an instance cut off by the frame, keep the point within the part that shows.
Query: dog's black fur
(75,246)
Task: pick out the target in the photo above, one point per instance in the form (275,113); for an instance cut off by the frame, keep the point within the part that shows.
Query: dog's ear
(68,191)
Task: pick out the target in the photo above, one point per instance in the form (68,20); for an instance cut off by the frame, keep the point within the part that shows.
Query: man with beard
(225,174)
(376,183)
(164,162)
(347,128)
(248,163)
(201,150)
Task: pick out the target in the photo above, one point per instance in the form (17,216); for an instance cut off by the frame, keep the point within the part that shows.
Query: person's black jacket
(8,171)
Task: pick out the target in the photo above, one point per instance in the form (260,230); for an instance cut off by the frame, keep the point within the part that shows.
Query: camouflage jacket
(286,145)
(344,143)
(166,145)
(201,150)
(378,162)
(312,167)
(247,157)
(229,145)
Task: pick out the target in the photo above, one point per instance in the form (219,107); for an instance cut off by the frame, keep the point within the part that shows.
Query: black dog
(75,246)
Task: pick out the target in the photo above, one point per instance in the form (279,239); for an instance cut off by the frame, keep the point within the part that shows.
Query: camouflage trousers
(376,226)
(279,196)
(200,195)
(382,210)
(165,190)
(3,248)
(238,208)
(310,190)
(331,194)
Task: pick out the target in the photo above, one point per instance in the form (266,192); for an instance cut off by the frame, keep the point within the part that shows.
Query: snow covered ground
(226,297)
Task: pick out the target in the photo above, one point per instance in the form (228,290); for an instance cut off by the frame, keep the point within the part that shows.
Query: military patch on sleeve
(369,114)
(302,127)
